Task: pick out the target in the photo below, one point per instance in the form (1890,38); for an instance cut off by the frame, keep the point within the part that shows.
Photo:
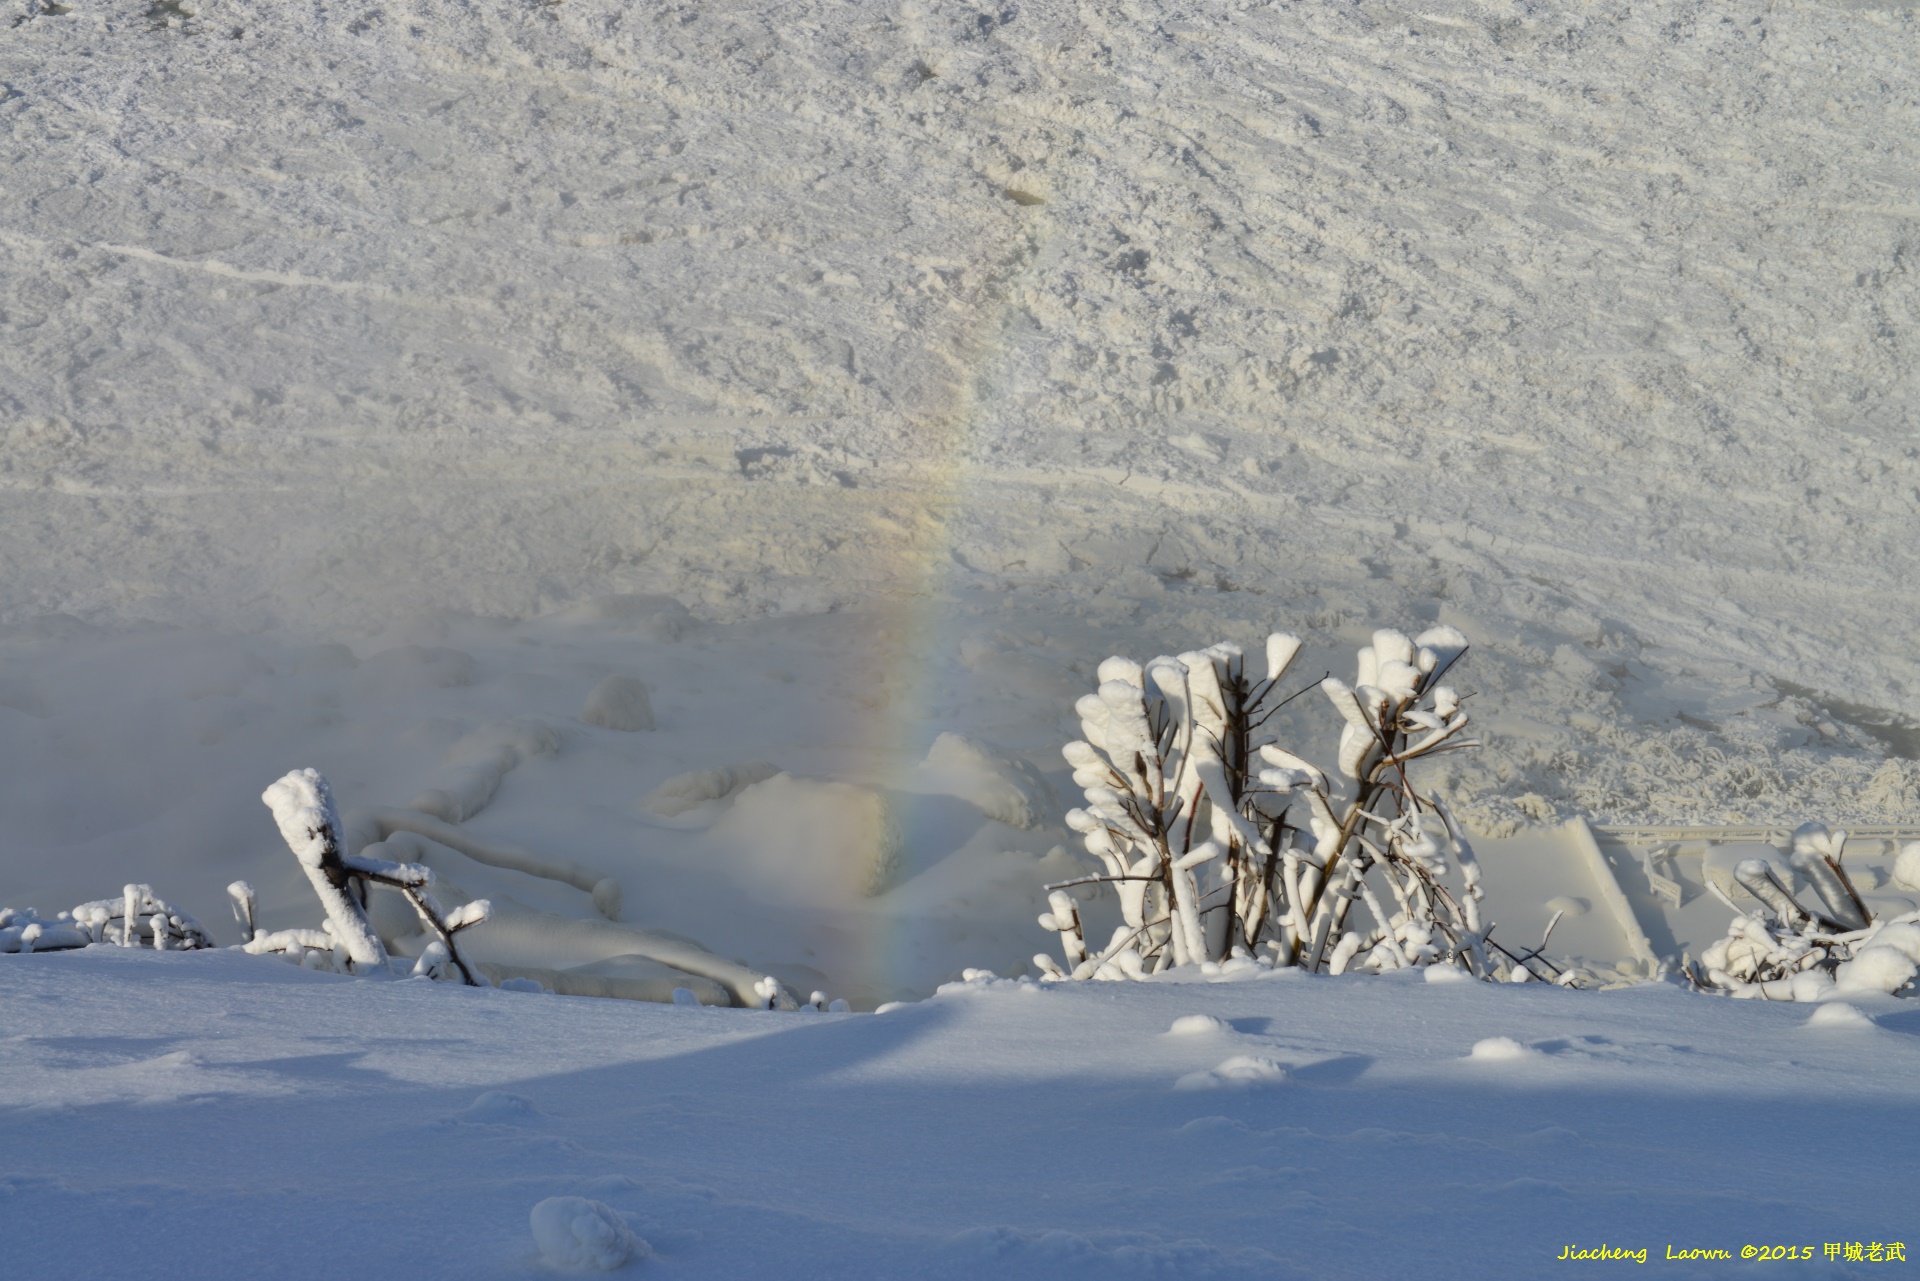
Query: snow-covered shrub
(134,917)
(1785,951)
(302,805)
(1221,845)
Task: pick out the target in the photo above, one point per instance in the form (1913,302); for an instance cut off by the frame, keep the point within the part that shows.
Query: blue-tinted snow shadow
(791,1153)
(785,1156)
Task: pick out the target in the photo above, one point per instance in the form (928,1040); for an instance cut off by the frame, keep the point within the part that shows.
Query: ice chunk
(573,1232)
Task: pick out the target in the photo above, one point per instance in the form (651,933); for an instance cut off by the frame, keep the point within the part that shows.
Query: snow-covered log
(475,765)
(532,933)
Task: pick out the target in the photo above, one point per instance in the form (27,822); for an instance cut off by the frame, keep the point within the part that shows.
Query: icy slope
(1623,293)
(233,1118)
(1585,328)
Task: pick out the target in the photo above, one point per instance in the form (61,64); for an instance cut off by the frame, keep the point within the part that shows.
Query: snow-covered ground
(378,380)
(220,1116)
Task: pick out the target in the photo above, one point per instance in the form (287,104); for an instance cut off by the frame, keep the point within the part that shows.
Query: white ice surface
(243,1118)
(1586,328)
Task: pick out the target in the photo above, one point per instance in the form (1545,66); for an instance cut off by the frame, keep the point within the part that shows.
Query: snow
(1239,1071)
(1838,1014)
(573,1232)
(1873,969)
(1198,1025)
(619,702)
(675,468)
(336,1126)
(335,323)
(1502,1049)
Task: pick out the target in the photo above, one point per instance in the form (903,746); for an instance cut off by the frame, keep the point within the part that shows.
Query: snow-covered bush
(1222,845)
(1785,951)
(302,805)
(134,917)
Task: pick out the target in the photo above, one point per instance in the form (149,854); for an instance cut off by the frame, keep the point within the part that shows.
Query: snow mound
(1875,969)
(1239,1072)
(474,766)
(1001,788)
(586,1236)
(1447,974)
(1198,1025)
(499,1107)
(1501,1049)
(619,702)
(1906,867)
(812,840)
(699,787)
(1840,1015)
(1902,936)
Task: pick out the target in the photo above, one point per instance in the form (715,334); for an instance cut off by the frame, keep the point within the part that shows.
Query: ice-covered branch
(302,806)
(1786,951)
